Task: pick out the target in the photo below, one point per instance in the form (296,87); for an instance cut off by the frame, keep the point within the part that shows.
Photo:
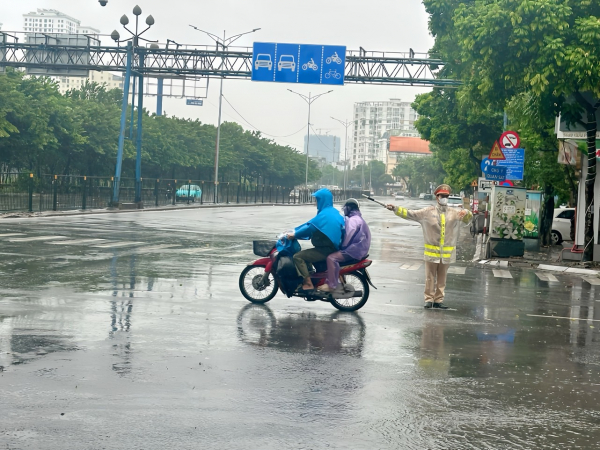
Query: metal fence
(22,192)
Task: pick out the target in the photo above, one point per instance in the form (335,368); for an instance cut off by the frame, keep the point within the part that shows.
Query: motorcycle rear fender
(368,277)
(356,267)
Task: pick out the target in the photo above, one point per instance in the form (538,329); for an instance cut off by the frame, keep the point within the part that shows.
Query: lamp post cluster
(132,43)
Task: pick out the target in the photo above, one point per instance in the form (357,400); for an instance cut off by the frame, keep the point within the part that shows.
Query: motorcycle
(274,271)
(335,58)
(310,65)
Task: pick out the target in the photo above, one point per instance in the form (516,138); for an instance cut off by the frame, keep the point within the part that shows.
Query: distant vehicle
(561,225)
(424,196)
(295,193)
(454,201)
(193,190)
(286,62)
(263,60)
(399,197)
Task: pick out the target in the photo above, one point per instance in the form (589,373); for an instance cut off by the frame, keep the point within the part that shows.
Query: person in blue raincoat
(325,232)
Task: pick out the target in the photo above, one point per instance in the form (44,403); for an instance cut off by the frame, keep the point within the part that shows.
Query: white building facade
(53,21)
(56,22)
(372,122)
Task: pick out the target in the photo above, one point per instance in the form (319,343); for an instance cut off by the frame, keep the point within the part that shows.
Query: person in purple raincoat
(355,246)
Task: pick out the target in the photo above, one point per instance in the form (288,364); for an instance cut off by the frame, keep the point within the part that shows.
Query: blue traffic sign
(514,163)
(298,63)
(194,101)
(496,173)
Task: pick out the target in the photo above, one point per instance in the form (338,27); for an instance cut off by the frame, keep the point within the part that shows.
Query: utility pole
(309,100)
(346,124)
(224,42)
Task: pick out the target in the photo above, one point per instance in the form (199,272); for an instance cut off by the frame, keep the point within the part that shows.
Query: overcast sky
(384,25)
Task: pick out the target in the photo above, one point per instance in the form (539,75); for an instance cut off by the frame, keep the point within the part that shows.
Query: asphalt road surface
(128,331)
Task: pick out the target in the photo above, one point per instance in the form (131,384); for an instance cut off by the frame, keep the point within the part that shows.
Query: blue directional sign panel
(194,102)
(496,173)
(298,63)
(514,163)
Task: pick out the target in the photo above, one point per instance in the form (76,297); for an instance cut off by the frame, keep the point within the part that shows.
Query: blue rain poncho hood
(328,220)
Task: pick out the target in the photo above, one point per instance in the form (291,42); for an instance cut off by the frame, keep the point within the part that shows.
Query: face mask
(443,201)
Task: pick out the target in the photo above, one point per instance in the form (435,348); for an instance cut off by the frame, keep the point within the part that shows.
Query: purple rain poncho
(355,245)
(357,240)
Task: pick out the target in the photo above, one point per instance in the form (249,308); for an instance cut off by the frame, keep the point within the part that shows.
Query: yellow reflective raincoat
(441,227)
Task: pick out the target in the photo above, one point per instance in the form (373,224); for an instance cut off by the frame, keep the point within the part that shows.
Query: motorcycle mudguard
(368,277)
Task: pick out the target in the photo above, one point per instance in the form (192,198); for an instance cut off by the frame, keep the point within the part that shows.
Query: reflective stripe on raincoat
(441,227)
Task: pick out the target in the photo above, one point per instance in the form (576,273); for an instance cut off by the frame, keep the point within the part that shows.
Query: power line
(258,129)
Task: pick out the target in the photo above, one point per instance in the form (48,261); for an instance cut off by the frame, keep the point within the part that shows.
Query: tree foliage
(418,172)
(538,54)
(43,131)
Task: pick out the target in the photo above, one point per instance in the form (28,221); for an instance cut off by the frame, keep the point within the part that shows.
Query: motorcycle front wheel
(252,287)
(359,282)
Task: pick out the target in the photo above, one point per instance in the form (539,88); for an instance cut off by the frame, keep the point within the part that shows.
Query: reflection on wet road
(132,325)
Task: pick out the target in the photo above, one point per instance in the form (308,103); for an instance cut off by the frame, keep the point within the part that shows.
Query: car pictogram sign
(496,153)
(510,139)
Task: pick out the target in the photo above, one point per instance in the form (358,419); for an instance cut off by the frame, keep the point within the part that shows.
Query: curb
(80,212)
(565,269)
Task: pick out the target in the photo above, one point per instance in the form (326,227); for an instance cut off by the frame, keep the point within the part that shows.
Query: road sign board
(496,173)
(298,63)
(510,139)
(194,101)
(484,185)
(496,152)
(514,163)
(474,183)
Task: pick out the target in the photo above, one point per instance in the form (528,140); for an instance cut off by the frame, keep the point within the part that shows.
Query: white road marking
(76,242)
(36,238)
(457,270)
(11,234)
(409,266)
(117,244)
(546,276)
(498,273)
(594,281)
(563,317)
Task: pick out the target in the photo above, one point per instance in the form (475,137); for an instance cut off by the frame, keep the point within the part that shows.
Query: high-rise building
(324,146)
(373,123)
(55,22)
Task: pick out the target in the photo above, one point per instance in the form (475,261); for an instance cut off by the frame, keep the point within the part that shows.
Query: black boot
(429,305)
(440,306)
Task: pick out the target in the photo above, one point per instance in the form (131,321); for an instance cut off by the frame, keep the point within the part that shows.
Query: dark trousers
(311,255)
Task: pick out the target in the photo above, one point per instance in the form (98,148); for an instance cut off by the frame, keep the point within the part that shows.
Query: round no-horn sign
(510,139)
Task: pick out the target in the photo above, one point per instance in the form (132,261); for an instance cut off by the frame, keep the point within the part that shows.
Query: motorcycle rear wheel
(359,282)
(251,288)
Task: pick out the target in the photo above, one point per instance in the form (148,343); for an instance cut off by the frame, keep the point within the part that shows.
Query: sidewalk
(537,257)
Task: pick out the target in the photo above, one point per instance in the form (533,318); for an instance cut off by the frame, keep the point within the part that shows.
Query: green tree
(548,48)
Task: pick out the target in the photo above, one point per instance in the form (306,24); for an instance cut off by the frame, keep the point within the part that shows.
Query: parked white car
(561,225)
(454,201)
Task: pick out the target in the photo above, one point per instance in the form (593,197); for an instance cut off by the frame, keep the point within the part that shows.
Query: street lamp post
(224,42)
(133,46)
(346,124)
(309,100)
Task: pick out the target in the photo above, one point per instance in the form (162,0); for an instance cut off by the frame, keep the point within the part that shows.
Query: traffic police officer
(441,226)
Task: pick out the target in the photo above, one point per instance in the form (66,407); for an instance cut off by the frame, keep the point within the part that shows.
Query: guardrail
(26,192)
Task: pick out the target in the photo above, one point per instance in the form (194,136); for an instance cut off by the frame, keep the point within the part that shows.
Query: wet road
(128,331)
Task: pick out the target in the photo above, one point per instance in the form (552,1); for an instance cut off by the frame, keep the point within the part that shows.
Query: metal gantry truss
(362,67)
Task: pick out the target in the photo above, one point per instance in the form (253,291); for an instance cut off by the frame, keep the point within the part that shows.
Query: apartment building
(52,21)
(373,123)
